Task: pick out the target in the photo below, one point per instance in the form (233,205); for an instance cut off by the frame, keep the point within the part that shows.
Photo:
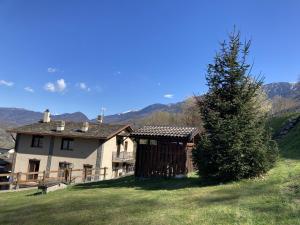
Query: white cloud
(168,96)
(52,70)
(6,83)
(49,87)
(59,86)
(29,89)
(84,87)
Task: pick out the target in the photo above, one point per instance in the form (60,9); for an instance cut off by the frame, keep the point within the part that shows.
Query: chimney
(46,118)
(100,119)
(85,127)
(60,126)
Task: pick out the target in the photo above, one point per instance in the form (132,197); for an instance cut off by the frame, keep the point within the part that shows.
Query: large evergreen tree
(235,143)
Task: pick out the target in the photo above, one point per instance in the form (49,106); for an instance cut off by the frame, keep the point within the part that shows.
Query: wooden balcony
(118,157)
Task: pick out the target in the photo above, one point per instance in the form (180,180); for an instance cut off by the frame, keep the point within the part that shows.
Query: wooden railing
(66,175)
(122,156)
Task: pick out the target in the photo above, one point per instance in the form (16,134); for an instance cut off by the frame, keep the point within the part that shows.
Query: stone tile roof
(165,131)
(72,129)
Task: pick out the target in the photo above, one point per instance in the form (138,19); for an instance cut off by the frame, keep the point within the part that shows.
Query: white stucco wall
(26,152)
(84,152)
(108,147)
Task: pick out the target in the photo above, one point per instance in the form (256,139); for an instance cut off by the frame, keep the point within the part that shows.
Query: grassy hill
(290,144)
(273,199)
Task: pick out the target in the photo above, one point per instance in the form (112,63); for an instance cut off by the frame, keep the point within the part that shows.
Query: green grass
(273,199)
(290,144)
(277,122)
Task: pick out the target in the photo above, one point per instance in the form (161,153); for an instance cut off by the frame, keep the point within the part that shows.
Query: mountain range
(282,89)
(11,117)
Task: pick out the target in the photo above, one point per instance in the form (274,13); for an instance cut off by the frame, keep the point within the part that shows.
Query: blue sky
(122,55)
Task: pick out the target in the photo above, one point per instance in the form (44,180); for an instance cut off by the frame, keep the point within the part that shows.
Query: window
(126,146)
(37,141)
(143,141)
(153,142)
(67,144)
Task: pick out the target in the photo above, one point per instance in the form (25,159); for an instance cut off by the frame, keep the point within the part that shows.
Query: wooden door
(116,173)
(87,170)
(34,166)
(115,170)
(63,170)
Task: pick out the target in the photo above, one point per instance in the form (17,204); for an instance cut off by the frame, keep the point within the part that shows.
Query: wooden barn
(164,151)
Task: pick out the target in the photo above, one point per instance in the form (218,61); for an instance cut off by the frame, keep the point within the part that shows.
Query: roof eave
(183,138)
(69,135)
(120,130)
(56,134)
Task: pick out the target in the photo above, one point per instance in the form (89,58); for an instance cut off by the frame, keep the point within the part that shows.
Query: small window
(126,146)
(143,141)
(67,144)
(153,142)
(37,141)
(62,169)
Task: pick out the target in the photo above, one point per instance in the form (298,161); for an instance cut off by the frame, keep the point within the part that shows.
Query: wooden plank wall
(166,159)
(189,157)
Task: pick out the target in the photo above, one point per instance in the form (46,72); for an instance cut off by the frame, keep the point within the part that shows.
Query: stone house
(56,145)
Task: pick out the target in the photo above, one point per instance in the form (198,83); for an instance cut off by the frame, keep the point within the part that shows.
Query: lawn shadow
(258,197)
(60,210)
(148,184)
(293,154)
(35,193)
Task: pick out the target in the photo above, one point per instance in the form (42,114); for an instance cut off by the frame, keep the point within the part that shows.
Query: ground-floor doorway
(64,170)
(87,172)
(33,167)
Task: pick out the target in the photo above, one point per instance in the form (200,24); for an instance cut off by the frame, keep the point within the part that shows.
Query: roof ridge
(71,129)
(168,126)
(166,131)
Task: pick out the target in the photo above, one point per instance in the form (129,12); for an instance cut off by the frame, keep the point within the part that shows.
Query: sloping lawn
(274,199)
(277,122)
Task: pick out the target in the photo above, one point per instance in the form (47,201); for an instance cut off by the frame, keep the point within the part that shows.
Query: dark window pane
(37,141)
(70,144)
(126,146)
(67,144)
(40,142)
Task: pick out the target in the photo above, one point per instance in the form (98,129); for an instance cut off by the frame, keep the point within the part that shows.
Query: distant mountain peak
(19,116)
(283,89)
(128,111)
